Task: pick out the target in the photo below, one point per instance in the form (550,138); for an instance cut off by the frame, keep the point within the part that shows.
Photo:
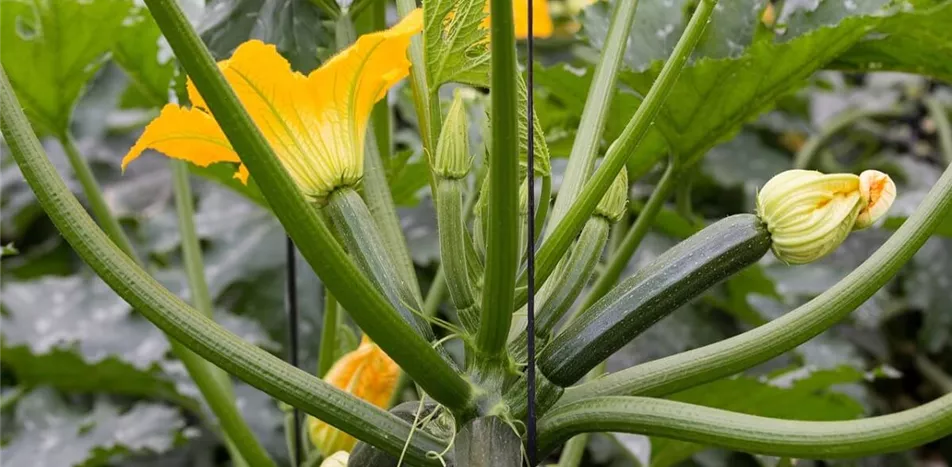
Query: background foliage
(85,381)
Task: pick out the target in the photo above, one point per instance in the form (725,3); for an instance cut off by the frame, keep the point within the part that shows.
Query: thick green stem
(329,325)
(502,241)
(368,307)
(595,114)
(79,229)
(940,116)
(698,366)
(749,433)
(843,120)
(621,256)
(187,326)
(97,202)
(574,219)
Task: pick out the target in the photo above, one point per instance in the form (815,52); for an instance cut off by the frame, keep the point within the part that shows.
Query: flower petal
(541,21)
(878,192)
(348,85)
(281,106)
(186,134)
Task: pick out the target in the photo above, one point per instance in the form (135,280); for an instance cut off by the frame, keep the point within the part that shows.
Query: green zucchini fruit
(671,280)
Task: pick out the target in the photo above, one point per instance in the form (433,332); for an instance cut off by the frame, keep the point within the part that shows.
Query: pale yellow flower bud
(613,204)
(809,214)
(878,192)
(339,459)
(452,159)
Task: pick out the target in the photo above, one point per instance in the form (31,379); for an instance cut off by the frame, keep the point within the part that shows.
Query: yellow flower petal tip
(809,214)
(542,26)
(339,459)
(315,124)
(367,373)
(878,192)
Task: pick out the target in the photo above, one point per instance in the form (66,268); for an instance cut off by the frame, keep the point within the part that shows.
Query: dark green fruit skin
(671,280)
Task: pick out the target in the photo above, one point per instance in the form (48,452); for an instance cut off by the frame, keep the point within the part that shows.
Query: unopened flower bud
(613,204)
(878,192)
(809,214)
(452,158)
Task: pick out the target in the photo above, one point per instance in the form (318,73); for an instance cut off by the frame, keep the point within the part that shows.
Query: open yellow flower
(541,20)
(316,124)
(367,373)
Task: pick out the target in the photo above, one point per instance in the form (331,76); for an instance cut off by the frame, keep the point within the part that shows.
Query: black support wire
(530,240)
(291,304)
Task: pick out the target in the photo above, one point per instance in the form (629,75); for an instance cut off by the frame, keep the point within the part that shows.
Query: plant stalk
(571,224)
(502,241)
(94,195)
(187,326)
(749,433)
(595,113)
(368,307)
(329,325)
(622,255)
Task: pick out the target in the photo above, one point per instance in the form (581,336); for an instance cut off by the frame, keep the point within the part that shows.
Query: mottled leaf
(47,432)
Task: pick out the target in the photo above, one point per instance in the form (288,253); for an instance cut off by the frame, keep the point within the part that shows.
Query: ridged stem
(621,256)
(186,327)
(367,306)
(749,433)
(571,224)
(595,113)
(502,241)
(698,366)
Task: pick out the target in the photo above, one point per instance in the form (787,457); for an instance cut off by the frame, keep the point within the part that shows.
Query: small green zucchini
(671,280)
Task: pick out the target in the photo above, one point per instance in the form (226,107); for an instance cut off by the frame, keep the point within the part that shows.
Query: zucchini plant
(315,150)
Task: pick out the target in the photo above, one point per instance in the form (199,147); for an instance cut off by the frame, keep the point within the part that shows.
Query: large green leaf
(47,432)
(296,27)
(145,57)
(796,395)
(737,74)
(51,48)
(920,42)
(76,334)
(456,43)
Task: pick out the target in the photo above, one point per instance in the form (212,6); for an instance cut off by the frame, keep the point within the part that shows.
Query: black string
(530,261)
(291,303)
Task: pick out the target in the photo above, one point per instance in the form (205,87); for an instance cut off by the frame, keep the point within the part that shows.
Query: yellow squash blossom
(367,373)
(541,21)
(315,124)
(809,214)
